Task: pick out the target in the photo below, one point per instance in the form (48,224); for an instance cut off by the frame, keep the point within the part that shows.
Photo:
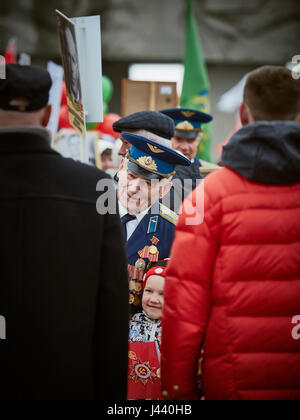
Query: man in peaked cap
(144,178)
(62,264)
(188,132)
(150,124)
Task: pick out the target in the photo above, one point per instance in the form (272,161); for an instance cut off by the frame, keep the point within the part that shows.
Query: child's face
(153,297)
(106,162)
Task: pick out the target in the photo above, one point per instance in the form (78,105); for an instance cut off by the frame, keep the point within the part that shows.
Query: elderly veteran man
(150,124)
(144,178)
(188,133)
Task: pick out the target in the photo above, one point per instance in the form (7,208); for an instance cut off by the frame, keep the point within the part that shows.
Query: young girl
(145,337)
(146,326)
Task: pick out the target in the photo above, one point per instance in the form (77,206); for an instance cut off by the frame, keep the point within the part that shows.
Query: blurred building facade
(237,36)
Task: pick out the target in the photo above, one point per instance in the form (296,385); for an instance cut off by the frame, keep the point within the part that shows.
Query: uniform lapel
(140,238)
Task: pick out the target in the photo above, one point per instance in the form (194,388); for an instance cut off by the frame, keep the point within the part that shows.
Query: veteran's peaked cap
(188,122)
(193,116)
(153,157)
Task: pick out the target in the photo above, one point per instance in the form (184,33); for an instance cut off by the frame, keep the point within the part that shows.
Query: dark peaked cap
(29,82)
(152,121)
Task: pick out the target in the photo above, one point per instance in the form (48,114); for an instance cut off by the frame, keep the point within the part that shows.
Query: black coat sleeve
(112,324)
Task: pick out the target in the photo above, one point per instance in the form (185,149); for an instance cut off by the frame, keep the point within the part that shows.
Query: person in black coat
(63,281)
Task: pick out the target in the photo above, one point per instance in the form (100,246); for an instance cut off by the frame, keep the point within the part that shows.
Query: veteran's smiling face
(188,147)
(135,192)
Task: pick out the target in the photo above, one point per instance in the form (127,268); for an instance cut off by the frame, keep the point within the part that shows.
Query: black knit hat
(31,83)
(152,121)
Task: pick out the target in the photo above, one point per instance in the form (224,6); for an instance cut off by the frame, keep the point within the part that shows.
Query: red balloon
(107,126)
(64,121)
(64,94)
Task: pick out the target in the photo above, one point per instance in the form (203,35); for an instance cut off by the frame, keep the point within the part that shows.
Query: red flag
(11,52)
(144,371)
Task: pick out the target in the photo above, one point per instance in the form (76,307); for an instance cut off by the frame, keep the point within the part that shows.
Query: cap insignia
(185,126)
(188,114)
(154,149)
(147,162)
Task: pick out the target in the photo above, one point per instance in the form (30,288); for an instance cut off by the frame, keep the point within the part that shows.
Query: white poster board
(88,33)
(80,40)
(57,75)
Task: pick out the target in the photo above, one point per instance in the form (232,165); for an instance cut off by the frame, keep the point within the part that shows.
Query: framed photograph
(71,144)
(80,41)
(70,60)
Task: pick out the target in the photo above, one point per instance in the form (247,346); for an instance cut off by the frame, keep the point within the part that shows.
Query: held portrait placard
(70,144)
(80,41)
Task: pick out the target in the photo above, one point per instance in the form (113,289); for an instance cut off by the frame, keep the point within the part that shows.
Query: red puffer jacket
(233,285)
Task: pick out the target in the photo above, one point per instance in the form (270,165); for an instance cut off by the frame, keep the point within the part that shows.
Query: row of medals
(136,286)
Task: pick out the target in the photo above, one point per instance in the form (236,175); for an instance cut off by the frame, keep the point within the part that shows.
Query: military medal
(154,240)
(150,252)
(138,287)
(136,301)
(132,285)
(153,250)
(140,264)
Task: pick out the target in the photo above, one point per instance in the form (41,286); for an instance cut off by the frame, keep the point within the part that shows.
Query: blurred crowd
(208,255)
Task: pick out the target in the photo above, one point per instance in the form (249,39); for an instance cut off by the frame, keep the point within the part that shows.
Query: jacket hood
(266,152)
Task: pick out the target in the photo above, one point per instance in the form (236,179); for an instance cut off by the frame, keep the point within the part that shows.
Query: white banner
(57,76)
(88,35)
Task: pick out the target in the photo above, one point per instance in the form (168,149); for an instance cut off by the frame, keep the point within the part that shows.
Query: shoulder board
(168,214)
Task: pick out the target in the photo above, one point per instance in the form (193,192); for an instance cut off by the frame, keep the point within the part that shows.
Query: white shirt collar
(133,224)
(122,210)
(139,216)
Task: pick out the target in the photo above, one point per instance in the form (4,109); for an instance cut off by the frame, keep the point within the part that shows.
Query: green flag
(196,86)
